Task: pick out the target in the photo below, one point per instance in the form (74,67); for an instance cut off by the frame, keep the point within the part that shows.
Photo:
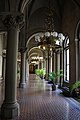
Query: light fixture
(37,58)
(50,37)
(33,62)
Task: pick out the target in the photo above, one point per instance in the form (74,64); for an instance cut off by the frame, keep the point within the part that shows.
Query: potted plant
(40,72)
(75,89)
(37,72)
(53,77)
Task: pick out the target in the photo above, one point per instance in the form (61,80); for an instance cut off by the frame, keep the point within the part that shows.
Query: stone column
(54,61)
(10,107)
(72,68)
(38,65)
(4,66)
(77,57)
(61,68)
(44,63)
(47,65)
(27,70)
(50,62)
(41,64)
(22,83)
(79,62)
(23,49)
(46,68)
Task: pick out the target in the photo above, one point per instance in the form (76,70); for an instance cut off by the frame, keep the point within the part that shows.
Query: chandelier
(36,59)
(50,37)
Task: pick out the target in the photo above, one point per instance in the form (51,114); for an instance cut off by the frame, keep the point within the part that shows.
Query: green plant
(37,72)
(40,72)
(74,86)
(54,75)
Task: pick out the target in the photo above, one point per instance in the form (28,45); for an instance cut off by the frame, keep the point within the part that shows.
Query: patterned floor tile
(38,102)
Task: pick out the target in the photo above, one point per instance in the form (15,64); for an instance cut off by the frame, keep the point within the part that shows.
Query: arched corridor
(39,37)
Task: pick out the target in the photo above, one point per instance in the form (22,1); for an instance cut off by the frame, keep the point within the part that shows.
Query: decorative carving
(9,21)
(19,18)
(12,20)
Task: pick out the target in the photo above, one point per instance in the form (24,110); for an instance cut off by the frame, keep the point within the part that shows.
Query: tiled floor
(38,102)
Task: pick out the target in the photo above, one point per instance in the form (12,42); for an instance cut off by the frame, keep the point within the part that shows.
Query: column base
(27,78)
(10,111)
(22,85)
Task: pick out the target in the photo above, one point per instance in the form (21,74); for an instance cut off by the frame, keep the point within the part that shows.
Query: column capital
(13,21)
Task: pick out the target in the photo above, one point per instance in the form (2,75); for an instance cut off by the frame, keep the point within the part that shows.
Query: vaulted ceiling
(35,14)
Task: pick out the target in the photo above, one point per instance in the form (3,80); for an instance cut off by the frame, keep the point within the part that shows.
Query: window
(66,60)
(67,64)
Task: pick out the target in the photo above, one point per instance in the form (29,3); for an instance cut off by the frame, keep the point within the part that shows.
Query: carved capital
(13,20)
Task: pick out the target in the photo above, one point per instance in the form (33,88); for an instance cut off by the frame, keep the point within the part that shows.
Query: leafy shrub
(40,72)
(54,75)
(74,86)
(37,71)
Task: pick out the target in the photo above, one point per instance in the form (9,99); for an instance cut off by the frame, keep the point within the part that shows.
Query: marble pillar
(47,66)
(79,63)
(22,83)
(77,57)
(50,62)
(27,70)
(10,107)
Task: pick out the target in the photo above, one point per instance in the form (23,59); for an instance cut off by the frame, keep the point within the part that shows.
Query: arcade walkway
(38,102)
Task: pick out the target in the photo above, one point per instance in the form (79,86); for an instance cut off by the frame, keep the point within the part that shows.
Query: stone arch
(23,5)
(77,31)
(77,50)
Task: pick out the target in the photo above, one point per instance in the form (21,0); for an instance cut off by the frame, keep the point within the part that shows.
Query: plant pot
(53,87)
